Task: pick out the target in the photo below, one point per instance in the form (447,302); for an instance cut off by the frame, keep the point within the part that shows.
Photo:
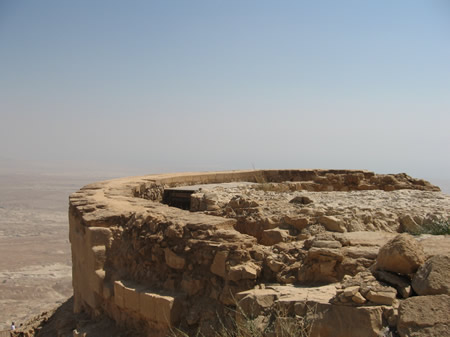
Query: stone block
(296,221)
(173,260)
(271,237)
(247,271)
(346,321)
(381,297)
(402,254)
(163,310)
(119,294)
(332,223)
(219,262)
(254,302)
(96,281)
(424,316)
(432,278)
(358,298)
(350,291)
(98,257)
(131,298)
(98,236)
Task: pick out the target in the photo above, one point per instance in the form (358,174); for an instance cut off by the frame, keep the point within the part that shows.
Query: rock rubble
(316,244)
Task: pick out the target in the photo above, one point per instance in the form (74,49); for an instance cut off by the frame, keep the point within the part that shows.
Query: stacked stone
(363,289)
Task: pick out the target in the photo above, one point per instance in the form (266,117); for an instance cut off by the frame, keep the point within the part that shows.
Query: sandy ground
(35,259)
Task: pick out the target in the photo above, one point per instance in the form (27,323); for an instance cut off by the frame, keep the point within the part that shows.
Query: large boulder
(402,254)
(424,316)
(342,321)
(433,278)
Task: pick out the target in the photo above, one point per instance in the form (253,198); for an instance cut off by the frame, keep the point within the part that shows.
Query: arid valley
(35,260)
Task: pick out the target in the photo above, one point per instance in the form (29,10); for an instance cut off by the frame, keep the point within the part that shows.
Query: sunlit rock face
(158,251)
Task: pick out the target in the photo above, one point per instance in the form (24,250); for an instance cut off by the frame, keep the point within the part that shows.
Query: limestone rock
(245,271)
(358,298)
(433,277)
(173,260)
(218,265)
(326,244)
(119,230)
(361,288)
(408,224)
(298,222)
(424,316)
(381,297)
(403,255)
(400,283)
(342,321)
(254,303)
(271,237)
(274,265)
(332,223)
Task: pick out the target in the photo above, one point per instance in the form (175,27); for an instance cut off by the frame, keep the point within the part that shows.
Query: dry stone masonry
(317,250)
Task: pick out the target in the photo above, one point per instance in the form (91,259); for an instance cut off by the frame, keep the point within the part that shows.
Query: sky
(163,86)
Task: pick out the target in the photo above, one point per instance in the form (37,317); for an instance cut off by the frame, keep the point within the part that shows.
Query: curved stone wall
(148,265)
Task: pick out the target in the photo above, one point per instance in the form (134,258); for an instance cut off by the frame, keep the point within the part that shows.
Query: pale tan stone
(219,263)
(358,298)
(245,271)
(332,223)
(381,297)
(119,294)
(424,316)
(131,299)
(163,310)
(173,260)
(350,291)
(433,277)
(403,254)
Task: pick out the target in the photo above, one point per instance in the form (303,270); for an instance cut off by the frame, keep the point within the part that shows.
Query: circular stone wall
(150,265)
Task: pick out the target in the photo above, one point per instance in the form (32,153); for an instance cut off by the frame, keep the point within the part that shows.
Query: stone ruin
(200,251)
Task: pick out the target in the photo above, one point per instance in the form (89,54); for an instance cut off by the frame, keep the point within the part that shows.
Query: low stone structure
(274,244)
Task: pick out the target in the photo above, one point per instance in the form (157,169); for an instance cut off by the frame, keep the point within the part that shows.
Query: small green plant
(277,322)
(437,227)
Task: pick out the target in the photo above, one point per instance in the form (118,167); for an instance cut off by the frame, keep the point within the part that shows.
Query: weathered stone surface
(247,271)
(219,263)
(274,265)
(298,222)
(254,302)
(403,255)
(362,288)
(271,237)
(433,277)
(350,291)
(162,310)
(326,244)
(409,224)
(332,224)
(424,316)
(358,298)
(400,283)
(173,260)
(218,251)
(381,297)
(342,321)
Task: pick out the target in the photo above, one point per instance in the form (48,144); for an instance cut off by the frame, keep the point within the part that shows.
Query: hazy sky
(169,85)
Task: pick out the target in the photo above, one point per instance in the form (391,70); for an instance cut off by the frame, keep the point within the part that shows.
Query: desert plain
(35,259)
